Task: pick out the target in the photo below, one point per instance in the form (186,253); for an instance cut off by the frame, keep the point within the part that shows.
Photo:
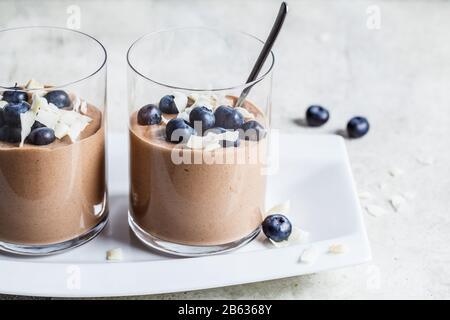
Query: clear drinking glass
(52,193)
(187,200)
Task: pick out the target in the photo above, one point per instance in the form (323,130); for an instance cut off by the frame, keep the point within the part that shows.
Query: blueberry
(12,111)
(167,104)
(41,136)
(317,116)
(357,127)
(202,116)
(178,130)
(14,95)
(148,115)
(253,130)
(224,143)
(228,118)
(36,125)
(10,134)
(277,227)
(59,98)
(2,120)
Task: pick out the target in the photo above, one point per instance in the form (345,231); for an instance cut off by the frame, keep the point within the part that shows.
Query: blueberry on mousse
(228,118)
(167,104)
(14,95)
(41,136)
(357,127)
(12,111)
(317,116)
(149,114)
(10,134)
(277,227)
(2,120)
(224,143)
(253,130)
(203,117)
(178,130)
(59,98)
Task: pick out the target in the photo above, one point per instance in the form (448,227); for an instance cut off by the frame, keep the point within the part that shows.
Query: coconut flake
(83,107)
(297,236)
(76,104)
(26,121)
(47,115)
(33,84)
(309,255)
(396,202)
(3,104)
(375,211)
(195,142)
(245,113)
(180,100)
(164,120)
(183,115)
(115,254)
(338,248)
(61,130)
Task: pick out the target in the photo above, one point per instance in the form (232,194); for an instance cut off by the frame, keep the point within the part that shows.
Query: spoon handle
(265,51)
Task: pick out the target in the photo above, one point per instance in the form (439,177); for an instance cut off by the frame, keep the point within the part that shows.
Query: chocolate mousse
(52,167)
(205,184)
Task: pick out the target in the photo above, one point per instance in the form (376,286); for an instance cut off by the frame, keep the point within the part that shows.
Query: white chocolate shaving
(309,255)
(33,84)
(26,120)
(338,248)
(245,113)
(3,104)
(181,101)
(115,254)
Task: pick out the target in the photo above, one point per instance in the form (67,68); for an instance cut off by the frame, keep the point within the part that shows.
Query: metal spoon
(265,51)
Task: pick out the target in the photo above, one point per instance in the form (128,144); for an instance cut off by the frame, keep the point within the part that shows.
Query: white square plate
(314,175)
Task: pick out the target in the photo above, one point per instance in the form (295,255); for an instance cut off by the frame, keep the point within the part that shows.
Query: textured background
(397,75)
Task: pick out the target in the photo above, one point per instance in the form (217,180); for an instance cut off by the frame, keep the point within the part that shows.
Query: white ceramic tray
(314,175)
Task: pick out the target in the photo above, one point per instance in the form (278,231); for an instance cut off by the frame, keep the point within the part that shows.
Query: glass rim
(231,30)
(59,86)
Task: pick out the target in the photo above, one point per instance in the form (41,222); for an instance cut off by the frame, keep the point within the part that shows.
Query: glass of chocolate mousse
(52,139)
(197,153)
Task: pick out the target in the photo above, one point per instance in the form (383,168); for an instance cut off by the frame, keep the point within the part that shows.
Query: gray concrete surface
(398,76)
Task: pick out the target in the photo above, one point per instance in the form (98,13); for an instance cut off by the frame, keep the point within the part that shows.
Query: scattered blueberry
(224,143)
(41,136)
(317,116)
(10,134)
(228,118)
(277,227)
(357,127)
(204,116)
(149,115)
(14,95)
(253,130)
(167,105)
(178,130)
(12,111)
(59,98)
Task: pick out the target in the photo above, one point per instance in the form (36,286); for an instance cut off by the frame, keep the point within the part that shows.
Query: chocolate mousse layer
(194,204)
(55,192)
